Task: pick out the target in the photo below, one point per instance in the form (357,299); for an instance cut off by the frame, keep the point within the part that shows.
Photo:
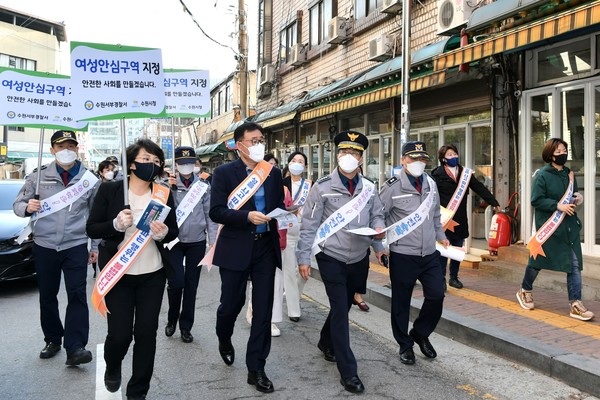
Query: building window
(16,128)
(365,8)
(287,38)
(320,14)
(17,62)
(221,102)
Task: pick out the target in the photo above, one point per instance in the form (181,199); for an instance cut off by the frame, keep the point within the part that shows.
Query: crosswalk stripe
(101,392)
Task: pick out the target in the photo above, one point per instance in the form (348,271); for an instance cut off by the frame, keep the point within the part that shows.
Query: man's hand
(172,180)
(577,198)
(258,218)
(445,243)
(381,236)
(567,208)
(33,206)
(304,270)
(93,257)
(379,254)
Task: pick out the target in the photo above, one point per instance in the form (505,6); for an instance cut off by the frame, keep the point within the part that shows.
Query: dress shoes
(294,319)
(424,344)
(227,352)
(455,283)
(112,379)
(186,336)
(353,384)
(137,397)
(79,356)
(407,356)
(49,350)
(361,305)
(260,380)
(169,329)
(327,352)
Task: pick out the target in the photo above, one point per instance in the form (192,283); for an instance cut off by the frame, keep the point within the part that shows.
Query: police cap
(415,149)
(351,140)
(63,136)
(185,155)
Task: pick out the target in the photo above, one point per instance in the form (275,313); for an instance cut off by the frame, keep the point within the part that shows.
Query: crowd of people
(196,219)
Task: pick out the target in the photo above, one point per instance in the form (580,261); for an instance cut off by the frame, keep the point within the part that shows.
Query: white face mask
(109,175)
(416,168)
(196,170)
(66,156)
(256,152)
(296,168)
(348,163)
(185,169)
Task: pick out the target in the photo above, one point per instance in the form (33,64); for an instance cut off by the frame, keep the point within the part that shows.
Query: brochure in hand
(155,211)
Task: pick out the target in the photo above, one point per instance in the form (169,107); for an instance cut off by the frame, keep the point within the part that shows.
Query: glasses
(254,141)
(145,159)
(354,153)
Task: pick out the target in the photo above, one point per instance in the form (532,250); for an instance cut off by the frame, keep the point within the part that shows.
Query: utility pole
(405,113)
(243,59)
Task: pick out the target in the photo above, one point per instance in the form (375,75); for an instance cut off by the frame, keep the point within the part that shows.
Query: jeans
(573,279)
(454,265)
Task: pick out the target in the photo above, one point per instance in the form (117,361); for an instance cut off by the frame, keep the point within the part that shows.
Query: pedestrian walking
(339,202)
(66,192)
(556,245)
(242,193)
(412,208)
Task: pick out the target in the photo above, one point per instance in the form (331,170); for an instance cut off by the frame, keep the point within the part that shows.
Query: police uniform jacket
(197,224)
(63,229)
(327,195)
(400,198)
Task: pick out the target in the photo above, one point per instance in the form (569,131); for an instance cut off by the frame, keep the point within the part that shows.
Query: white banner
(187,93)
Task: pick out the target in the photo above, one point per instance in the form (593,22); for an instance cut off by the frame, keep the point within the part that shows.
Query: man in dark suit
(247,246)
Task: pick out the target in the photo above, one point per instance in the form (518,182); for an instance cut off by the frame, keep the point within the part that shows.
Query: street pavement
(296,367)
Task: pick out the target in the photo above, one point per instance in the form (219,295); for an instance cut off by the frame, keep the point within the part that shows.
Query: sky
(156,24)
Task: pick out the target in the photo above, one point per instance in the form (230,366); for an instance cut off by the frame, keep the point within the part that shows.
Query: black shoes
(353,384)
(169,329)
(294,319)
(455,283)
(79,356)
(424,344)
(227,352)
(260,380)
(186,336)
(112,379)
(50,350)
(327,352)
(407,356)
(137,397)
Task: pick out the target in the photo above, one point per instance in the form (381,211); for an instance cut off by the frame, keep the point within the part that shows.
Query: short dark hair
(103,165)
(148,145)
(550,147)
(442,151)
(271,156)
(238,134)
(294,154)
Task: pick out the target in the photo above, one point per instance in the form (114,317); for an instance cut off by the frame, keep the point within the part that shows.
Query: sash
(452,206)
(343,215)
(67,196)
(238,198)
(412,221)
(120,263)
(204,175)
(302,193)
(550,226)
(187,205)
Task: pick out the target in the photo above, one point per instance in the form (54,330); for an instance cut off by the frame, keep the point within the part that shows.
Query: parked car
(16,260)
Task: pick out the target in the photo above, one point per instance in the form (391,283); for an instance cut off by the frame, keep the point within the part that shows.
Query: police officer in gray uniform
(191,246)
(413,255)
(342,257)
(61,244)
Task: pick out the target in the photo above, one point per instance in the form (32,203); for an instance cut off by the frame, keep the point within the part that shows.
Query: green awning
(499,10)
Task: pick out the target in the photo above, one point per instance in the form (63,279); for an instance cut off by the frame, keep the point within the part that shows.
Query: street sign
(3,152)
(167,146)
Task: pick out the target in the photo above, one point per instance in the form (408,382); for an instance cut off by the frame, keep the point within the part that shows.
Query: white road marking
(101,392)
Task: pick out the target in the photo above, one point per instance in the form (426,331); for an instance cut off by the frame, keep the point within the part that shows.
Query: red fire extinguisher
(503,228)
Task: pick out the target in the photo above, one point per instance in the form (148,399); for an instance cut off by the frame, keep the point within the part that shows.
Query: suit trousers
(233,294)
(293,283)
(184,284)
(73,264)
(341,282)
(404,272)
(134,305)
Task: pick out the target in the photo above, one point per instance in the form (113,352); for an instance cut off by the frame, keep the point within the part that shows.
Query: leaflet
(366,231)
(285,219)
(452,252)
(155,211)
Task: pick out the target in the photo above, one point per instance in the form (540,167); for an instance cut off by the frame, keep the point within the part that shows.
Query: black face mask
(146,171)
(560,159)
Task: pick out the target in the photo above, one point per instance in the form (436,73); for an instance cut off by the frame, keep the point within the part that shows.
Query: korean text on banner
(187,93)
(36,99)
(112,81)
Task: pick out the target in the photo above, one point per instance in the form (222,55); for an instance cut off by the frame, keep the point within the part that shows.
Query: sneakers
(578,311)
(525,299)
(275,332)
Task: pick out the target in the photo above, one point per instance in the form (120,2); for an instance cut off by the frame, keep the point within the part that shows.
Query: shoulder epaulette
(324,178)
(391,181)
(43,167)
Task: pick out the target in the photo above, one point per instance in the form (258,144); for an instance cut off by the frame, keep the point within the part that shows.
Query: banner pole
(124,163)
(39,167)
(173,143)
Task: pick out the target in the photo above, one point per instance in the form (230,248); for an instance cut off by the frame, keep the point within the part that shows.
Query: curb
(574,369)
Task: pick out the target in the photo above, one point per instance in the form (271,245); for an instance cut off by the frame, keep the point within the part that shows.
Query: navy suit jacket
(235,243)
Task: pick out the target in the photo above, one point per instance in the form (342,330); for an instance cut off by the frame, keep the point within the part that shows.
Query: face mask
(348,163)
(109,175)
(560,159)
(196,170)
(296,168)
(146,171)
(452,162)
(185,169)
(66,156)
(416,168)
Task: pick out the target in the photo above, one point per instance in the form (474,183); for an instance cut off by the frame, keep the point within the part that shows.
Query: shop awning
(207,149)
(535,32)
(278,115)
(499,10)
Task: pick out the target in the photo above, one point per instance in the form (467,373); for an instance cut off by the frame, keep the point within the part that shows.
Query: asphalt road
(296,367)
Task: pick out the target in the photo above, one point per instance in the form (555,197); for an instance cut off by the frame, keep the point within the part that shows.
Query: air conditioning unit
(299,54)
(391,6)
(381,48)
(264,91)
(267,74)
(337,30)
(452,16)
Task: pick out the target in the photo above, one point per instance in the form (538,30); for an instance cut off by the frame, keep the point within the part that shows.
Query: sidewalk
(485,314)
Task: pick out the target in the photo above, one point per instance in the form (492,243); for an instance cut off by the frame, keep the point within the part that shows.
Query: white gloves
(123,220)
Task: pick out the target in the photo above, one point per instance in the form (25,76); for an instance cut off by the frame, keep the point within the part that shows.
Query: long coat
(549,186)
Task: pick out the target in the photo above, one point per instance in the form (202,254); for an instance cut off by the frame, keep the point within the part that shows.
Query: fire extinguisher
(503,229)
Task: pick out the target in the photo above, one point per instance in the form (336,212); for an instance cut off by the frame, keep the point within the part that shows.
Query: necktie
(418,185)
(65,177)
(351,187)
(186,182)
